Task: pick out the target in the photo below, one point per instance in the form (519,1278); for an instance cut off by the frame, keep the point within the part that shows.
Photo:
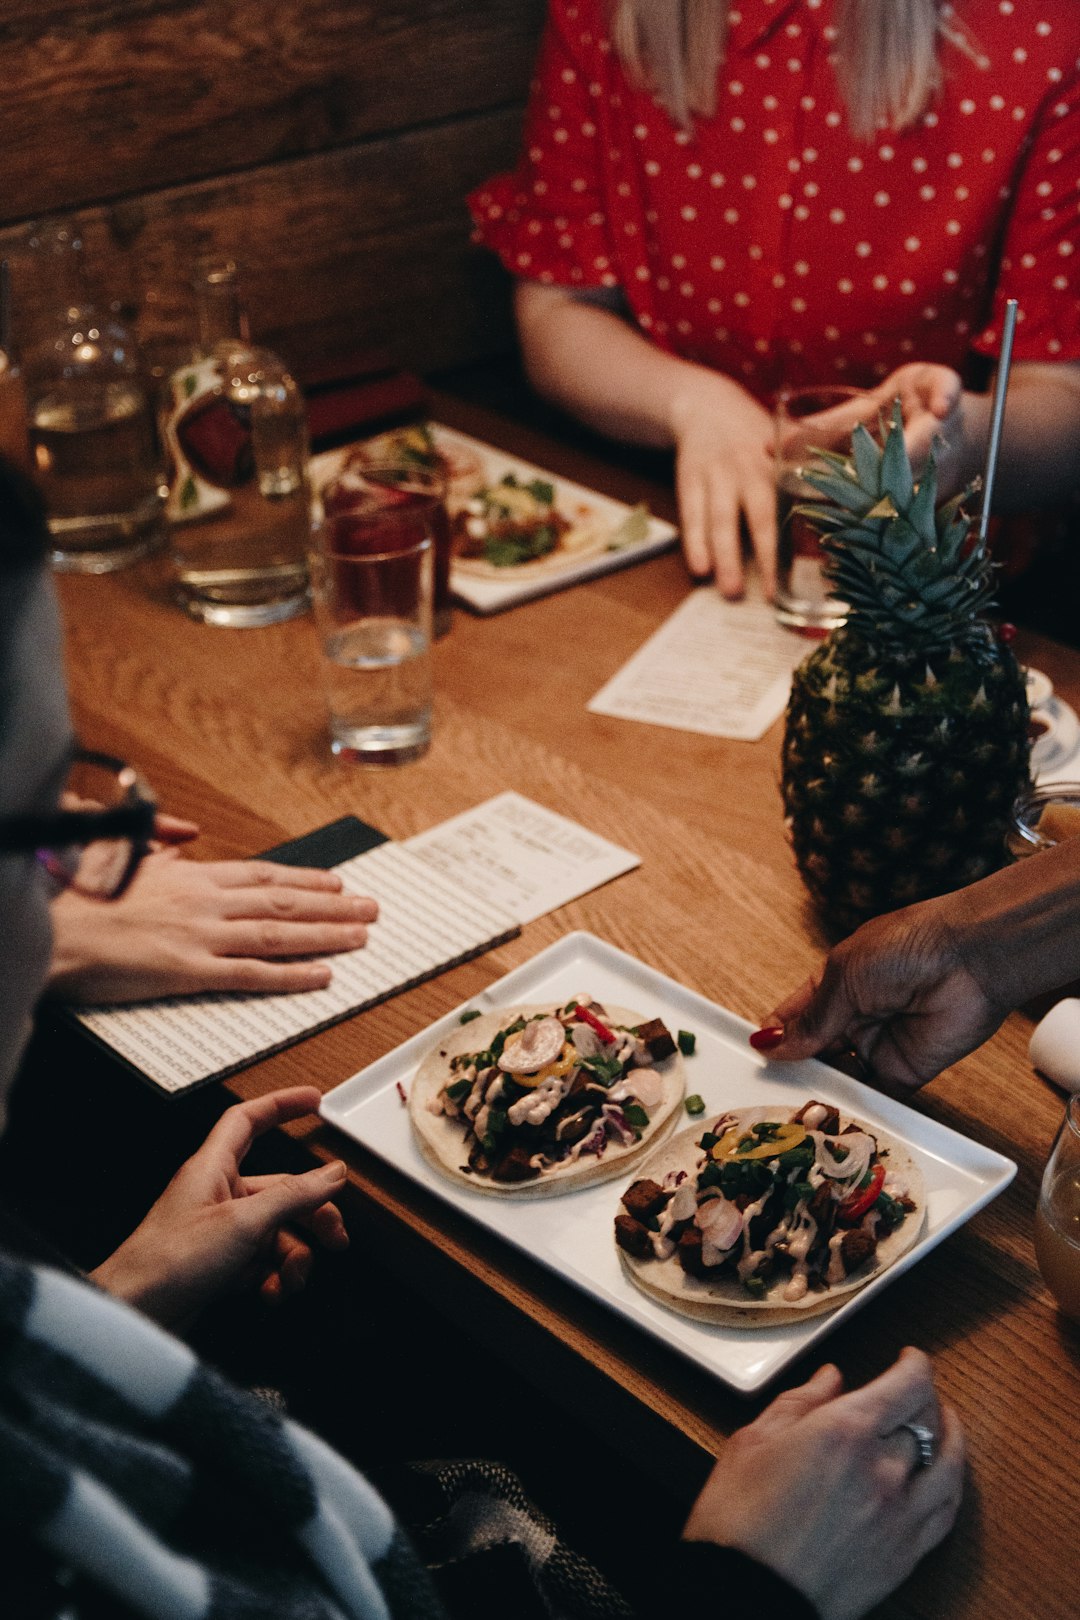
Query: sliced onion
(859,1146)
(721,1223)
(646,1085)
(586,1041)
(683,1206)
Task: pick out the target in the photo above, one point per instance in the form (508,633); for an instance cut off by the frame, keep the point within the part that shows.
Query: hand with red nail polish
(912,992)
(763,1040)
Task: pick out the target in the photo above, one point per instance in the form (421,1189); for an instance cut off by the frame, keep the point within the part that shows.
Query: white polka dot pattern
(819,251)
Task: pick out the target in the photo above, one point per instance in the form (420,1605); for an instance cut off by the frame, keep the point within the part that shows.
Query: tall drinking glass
(373,577)
(806,420)
(1057,1219)
(353,489)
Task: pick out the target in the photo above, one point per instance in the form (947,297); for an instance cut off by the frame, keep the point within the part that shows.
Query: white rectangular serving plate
(572,1233)
(493,595)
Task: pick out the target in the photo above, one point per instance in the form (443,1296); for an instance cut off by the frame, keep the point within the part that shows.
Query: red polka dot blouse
(772,244)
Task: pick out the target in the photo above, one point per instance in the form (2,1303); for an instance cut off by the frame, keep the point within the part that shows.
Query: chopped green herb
(750,1176)
(687,1042)
(711,1176)
(696,1105)
(605,1069)
(800,1157)
(755,1286)
(496,1122)
(458,1089)
(709,1140)
(543,490)
(796,1193)
(891,1211)
(635,1114)
(467,1017)
(569,1008)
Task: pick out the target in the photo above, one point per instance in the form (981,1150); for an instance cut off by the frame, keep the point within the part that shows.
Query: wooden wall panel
(106,100)
(363,248)
(326,144)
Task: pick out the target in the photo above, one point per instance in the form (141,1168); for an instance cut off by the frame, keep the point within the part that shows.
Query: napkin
(1054,1048)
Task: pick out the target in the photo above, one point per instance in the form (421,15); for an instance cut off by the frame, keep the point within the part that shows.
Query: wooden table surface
(230,728)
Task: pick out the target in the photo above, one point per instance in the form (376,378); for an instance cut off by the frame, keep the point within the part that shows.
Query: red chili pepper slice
(856,1204)
(586,1017)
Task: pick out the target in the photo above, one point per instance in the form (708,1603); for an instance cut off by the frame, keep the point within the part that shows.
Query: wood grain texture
(231,725)
(107,101)
(366,247)
(326,144)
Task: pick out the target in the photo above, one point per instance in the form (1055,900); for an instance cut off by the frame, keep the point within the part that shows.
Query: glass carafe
(93,441)
(234,426)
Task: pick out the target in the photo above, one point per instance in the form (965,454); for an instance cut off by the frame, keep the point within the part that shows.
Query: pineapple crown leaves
(908,568)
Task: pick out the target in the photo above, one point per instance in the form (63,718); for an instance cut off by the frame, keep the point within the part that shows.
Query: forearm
(597,366)
(1040,441)
(1018,932)
(76,942)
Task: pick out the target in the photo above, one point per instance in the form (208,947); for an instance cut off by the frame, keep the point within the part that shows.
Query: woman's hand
(214,1229)
(933,401)
(823,1487)
(584,352)
(724,476)
(184,927)
(899,992)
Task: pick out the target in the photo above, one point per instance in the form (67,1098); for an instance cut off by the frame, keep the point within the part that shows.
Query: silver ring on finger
(925,1443)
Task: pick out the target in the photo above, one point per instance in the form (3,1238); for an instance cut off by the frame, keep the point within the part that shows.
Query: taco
(516,525)
(415,447)
(538,1100)
(769,1216)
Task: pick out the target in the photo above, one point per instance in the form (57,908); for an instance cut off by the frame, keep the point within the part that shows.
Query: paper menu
(445,896)
(521,856)
(427,923)
(715,667)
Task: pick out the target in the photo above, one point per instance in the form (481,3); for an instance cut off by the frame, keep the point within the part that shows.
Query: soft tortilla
(442,1140)
(723,1300)
(585,538)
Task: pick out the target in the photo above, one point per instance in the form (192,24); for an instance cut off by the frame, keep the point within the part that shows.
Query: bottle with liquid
(93,441)
(235,432)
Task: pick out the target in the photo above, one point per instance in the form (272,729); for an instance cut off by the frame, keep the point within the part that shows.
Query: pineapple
(906,743)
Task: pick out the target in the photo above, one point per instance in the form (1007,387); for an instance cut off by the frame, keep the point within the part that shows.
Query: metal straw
(997,413)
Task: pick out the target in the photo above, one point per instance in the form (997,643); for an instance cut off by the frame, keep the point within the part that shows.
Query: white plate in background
(573,1233)
(521,584)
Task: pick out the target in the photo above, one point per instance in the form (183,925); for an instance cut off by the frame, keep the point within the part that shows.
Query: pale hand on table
(214,1229)
(823,1487)
(185,926)
(724,475)
(932,400)
(899,992)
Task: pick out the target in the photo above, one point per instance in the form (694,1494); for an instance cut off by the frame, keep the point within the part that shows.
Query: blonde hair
(887,57)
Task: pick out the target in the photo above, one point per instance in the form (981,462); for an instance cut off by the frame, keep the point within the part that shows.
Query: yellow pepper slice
(787,1136)
(562,1065)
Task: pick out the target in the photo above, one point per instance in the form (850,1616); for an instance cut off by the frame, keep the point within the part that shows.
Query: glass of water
(373,570)
(1057,1219)
(805,421)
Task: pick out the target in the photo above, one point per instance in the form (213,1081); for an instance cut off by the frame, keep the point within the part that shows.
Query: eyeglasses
(95,841)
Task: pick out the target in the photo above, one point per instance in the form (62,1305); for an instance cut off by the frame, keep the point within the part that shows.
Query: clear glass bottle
(93,442)
(235,431)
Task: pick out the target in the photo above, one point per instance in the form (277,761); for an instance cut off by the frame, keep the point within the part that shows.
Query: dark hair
(23,533)
(23,546)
